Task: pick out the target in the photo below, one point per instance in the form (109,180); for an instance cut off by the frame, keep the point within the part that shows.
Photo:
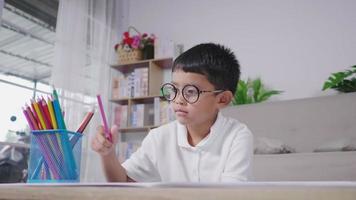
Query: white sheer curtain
(1,7)
(85,35)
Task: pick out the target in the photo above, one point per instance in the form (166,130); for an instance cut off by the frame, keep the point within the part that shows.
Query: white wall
(293,45)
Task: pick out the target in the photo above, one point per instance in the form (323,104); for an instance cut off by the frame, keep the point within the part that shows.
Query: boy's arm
(112,167)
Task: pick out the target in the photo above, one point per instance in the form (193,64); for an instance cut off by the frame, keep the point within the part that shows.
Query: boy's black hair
(214,61)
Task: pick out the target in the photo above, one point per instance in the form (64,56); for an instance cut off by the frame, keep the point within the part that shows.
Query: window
(26,54)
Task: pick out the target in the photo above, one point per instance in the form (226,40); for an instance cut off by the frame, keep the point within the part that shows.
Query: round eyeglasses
(190,93)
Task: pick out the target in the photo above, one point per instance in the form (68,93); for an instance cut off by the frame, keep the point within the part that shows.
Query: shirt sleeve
(239,163)
(141,166)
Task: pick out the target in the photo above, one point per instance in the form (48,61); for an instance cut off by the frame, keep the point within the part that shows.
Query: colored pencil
(41,145)
(85,122)
(32,118)
(44,112)
(39,115)
(58,114)
(56,147)
(35,115)
(51,113)
(106,129)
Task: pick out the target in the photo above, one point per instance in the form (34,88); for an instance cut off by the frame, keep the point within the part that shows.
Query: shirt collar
(214,130)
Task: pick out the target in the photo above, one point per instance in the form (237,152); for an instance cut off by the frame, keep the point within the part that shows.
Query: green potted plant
(344,81)
(252,91)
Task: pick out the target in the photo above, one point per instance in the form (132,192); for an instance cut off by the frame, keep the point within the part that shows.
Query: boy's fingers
(99,147)
(100,143)
(100,128)
(95,145)
(103,141)
(100,138)
(100,150)
(114,130)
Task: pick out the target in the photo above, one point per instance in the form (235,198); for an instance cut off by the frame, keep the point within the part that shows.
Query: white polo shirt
(165,155)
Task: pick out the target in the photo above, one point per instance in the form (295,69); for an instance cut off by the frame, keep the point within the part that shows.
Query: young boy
(201,145)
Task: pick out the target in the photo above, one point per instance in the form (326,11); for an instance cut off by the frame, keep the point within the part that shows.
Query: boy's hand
(102,145)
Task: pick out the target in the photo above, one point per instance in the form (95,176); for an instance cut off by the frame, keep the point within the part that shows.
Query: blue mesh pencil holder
(55,156)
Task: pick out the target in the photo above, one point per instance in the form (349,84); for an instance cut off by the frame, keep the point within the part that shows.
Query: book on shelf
(145,114)
(142,115)
(134,116)
(120,116)
(163,112)
(121,86)
(132,84)
(126,149)
(115,91)
(140,82)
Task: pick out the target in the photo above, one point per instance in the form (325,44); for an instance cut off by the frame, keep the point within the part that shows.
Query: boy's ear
(225,98)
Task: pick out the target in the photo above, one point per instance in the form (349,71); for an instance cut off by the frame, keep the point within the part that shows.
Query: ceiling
(27,37)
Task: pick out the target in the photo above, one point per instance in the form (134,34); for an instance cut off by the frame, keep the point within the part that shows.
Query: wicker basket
(129,56)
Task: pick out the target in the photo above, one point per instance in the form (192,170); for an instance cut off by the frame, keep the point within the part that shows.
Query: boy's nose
(179,99)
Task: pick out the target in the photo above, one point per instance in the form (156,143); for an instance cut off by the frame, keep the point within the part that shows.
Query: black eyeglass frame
(189,85)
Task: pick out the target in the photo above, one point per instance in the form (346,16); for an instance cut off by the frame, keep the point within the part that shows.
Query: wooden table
(259,190)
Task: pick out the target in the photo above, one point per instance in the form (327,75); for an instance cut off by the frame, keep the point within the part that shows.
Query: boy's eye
(170,91)
(190,91)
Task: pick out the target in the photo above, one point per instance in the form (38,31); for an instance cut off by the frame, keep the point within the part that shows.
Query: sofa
(312,139)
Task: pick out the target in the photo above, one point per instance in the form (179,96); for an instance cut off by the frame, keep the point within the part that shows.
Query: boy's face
(205,108)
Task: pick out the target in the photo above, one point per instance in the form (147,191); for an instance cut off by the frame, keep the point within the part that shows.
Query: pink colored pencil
(30,123)
(42,146)
(106,129)
(32,118)
(35,115)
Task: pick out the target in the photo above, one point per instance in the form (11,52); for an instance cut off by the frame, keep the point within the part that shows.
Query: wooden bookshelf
(143,99)
(155,77)
(137,129)
(125,67)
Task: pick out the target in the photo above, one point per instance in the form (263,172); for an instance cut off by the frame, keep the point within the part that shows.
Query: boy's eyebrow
(177,84)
